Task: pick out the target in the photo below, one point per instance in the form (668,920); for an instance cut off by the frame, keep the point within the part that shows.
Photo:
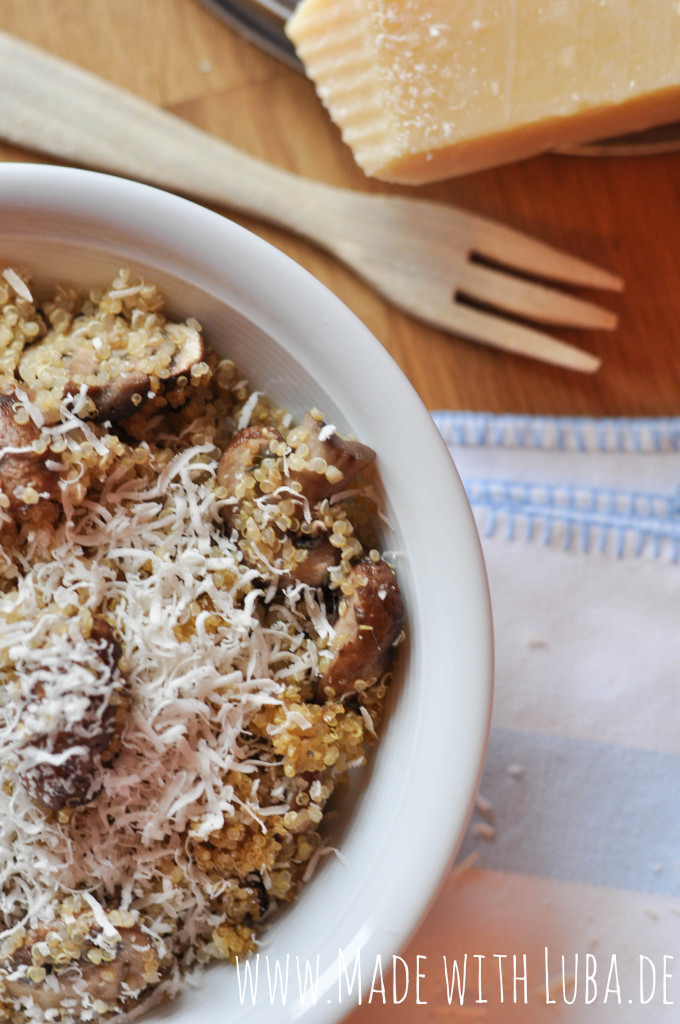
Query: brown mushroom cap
(119,385)
(329,464)
(70,778)
(133,968)
(20,466)
(123,396)
(344,458)
(246,448)
(321,555)
(368,630)
(241,456)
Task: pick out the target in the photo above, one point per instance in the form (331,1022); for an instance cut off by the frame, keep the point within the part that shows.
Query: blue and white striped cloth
(564,904)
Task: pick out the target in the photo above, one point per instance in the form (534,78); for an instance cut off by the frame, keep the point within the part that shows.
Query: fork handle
(49,105)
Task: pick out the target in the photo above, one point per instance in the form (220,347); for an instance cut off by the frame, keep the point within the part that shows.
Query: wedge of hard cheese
(428,89)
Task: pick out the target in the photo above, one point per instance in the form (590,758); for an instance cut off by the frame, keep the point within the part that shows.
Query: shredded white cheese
(166,756)
(18,284)
(147,555)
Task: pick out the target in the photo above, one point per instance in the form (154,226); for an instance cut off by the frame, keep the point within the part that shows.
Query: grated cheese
(17,283)
(209,671)
(190,701)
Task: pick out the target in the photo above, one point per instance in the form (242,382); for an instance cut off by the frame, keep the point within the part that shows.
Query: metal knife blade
(260,22)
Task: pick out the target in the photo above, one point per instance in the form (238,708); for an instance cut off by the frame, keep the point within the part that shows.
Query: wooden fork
(419,255)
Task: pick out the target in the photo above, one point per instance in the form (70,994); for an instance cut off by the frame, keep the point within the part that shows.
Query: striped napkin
(564,903)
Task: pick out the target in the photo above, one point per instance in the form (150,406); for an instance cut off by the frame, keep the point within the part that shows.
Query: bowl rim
(458,727)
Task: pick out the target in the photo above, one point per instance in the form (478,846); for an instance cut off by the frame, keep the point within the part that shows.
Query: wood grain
(621,213)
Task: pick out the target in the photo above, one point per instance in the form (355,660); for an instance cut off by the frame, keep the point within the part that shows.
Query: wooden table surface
(621,213)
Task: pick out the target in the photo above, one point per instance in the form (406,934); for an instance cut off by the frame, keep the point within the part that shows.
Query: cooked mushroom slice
(61,758)
(117,381)
(121,396)
(255,882)
(367,632)
(24,477)
(331,461)
(246,448)
(235,473)
(113,968)
(320,556)
(310,555)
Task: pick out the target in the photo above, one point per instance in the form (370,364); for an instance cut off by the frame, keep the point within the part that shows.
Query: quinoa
(169,739)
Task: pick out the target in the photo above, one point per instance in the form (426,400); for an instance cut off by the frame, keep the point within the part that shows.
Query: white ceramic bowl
(402,822)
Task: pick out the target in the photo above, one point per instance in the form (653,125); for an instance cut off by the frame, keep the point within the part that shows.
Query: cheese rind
(428,89)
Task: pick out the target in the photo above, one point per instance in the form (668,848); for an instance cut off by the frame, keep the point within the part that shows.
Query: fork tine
(522,252)
(488,329)
(531,300)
